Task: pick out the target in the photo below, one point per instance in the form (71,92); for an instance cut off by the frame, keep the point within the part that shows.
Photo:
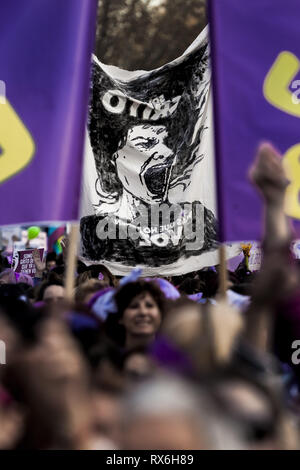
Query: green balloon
(33,232)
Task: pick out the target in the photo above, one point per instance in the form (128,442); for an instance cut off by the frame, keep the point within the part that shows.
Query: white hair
(166,396)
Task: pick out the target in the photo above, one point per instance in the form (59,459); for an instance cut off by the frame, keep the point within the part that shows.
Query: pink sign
(24,263)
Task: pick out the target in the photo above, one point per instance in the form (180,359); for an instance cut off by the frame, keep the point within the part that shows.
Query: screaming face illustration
(144,164)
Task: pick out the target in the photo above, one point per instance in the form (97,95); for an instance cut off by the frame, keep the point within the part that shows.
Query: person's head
(25,279)
(88,289)
(107,362)
(165,413)
(51,291)
(98,271)
(184,316)
(28,291)
(137,365)
(190,286)
(256,408)
(50,261)
(141,306)
(15,306)
(4,263)
(106,417)
(209,282)
(8,277)
(49,379)
(58,270)
(182,346)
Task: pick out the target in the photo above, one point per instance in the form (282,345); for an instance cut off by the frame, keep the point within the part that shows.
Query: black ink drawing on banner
(145,136)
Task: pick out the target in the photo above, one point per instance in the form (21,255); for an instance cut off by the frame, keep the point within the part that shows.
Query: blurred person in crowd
(18,310)
(8,276)
(196,340)
(86,291)
(97,271)
(11,413)
(107,362)
(181,346)
(256,408)
(51,261)
(4,263)
(168,414)
(138,365)
(106,420)
(48,378)
(191,286)
(51,291)
(85,328)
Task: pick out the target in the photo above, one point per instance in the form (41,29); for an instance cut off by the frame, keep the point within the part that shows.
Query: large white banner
(149,181)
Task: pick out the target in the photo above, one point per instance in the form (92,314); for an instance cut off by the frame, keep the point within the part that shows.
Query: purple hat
(166,287)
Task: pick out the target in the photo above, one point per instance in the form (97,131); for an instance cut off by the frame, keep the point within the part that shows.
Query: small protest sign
(23,261)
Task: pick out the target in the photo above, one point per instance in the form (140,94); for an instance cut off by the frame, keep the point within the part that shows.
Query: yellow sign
(17,145)
(276,91)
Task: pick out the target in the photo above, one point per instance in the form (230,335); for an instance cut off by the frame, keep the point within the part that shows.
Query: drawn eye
(145,144)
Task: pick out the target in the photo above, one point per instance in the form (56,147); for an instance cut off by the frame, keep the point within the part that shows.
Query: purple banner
(45,56)
(256,65)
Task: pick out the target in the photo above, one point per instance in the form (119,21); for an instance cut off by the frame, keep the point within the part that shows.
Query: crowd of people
(156,363)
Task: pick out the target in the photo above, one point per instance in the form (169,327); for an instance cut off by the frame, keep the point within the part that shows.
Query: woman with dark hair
(141,306)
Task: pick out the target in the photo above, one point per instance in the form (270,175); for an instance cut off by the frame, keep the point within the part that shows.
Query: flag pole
(222,271)
(71,262)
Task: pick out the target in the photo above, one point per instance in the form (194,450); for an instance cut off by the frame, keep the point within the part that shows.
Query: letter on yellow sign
(278,80)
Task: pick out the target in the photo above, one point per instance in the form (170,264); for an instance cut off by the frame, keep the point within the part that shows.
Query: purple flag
(45,55)
(256,65)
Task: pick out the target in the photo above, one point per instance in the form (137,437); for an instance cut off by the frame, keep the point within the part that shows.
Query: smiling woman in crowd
(141,306)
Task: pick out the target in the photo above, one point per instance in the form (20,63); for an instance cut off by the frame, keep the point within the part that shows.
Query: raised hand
(268,175)
(65,242)
(39,265)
